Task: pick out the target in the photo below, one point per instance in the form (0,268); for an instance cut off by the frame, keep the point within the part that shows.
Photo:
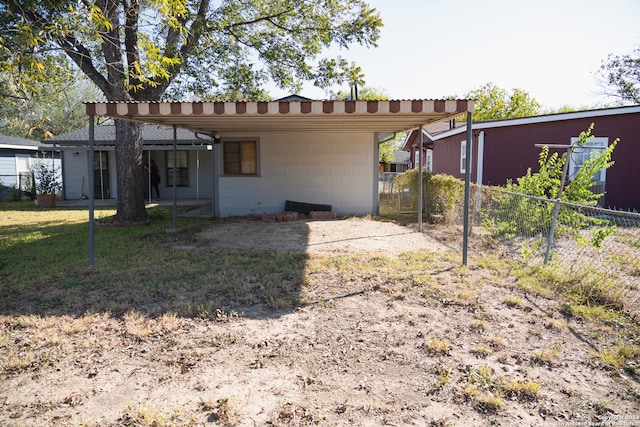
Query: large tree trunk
(130,172)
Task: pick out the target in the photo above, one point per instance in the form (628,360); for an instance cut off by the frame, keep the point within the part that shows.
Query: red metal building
(505,149)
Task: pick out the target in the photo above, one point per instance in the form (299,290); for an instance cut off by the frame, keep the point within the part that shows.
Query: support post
(420,180)
(467,189)
(215,155)
(556,207)
(175,177)
(91,189)
(149,175)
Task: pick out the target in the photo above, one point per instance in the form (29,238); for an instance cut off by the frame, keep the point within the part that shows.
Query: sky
(552,49)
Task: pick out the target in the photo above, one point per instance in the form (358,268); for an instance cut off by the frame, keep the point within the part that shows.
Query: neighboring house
(504,149)
(265,153)
(400,163)
(429,132)
(389,170)
(193,153)
(16,157)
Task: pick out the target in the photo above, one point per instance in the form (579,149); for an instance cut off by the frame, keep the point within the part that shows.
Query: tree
(494,103)
(354,76)
(39,98)
(154,50)
(620,76)
(54,109)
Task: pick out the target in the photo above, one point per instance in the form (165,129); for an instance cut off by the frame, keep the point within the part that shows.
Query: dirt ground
(333,238)
(448,347)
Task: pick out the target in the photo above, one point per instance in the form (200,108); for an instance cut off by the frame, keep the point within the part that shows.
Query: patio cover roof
(323,116)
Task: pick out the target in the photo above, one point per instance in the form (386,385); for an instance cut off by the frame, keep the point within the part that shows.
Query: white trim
(463,156)
(429,161)
(480,166)
(541,119)
(18,147)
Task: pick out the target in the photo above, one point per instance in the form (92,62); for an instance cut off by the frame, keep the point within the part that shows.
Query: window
(580,155)
(240,157)
(429,163)
(398,167)
(463,157)
(182,168)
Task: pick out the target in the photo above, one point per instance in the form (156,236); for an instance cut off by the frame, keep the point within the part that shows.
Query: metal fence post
(556,208)
(467,190)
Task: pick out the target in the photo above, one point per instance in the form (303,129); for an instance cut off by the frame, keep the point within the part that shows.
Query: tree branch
(82,58)
(112,51)
(131,13)
(255,21)
(171,46)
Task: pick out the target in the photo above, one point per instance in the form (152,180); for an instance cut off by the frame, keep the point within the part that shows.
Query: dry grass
(223,337)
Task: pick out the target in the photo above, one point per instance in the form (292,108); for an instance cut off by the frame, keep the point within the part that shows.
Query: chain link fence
(589,243)
(386,181)
(583,235)
(15,186)
(584,241)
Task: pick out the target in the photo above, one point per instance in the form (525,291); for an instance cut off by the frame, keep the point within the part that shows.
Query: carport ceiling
(295,116)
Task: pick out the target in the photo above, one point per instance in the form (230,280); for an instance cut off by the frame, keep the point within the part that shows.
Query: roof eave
(291,116)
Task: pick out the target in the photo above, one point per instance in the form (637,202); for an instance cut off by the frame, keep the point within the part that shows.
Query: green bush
(516,215)
(443,194)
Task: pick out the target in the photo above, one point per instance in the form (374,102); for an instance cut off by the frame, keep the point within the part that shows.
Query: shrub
(524,216)
(443,194)
(45,176)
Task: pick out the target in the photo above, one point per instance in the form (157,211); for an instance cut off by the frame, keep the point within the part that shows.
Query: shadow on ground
(141,269)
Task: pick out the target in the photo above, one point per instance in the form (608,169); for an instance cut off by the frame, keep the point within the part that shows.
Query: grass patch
(547,357)
(436,346)
(41,245)
(623,356)
(521,390)
(556,324)
(145,415)
(593,313)
(589,294)
(513,301)
(487,390)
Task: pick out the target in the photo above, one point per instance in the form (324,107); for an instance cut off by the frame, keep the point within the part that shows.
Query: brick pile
(281,217)
(322,215)
(294,216)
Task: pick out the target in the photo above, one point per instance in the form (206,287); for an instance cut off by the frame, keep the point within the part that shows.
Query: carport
(216,119)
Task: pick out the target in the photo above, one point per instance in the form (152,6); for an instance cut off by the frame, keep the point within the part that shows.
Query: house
(412,143)
(504,149)
(193,153)
(389,170)
(266,153)
(16,157)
